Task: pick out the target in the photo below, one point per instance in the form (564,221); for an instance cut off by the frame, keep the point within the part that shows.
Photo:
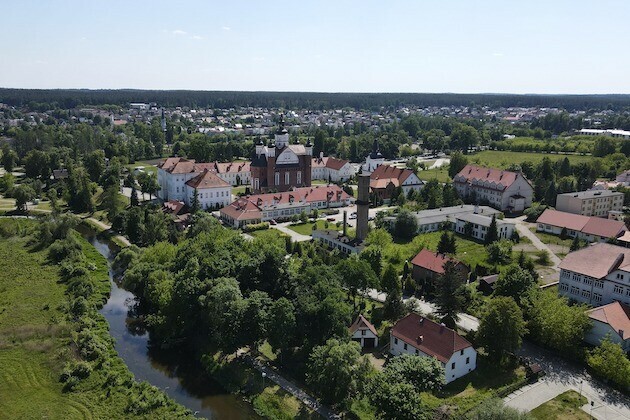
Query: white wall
(210,197)
(599,331)
(358,334)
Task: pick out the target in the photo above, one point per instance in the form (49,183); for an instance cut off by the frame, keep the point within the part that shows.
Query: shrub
(256,226)
(64,248)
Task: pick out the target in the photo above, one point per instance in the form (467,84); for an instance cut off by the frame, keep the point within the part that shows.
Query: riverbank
(57,358)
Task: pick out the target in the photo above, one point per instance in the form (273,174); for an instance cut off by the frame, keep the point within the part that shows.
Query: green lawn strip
(307,228)
(566,406)
(37,341)
(503,159)
(270,234)
(486,381)
(441,174)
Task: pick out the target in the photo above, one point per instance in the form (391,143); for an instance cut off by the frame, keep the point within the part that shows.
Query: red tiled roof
(432,261)
(596,260)
(606,228)
(334,163)
(429,337)
(362,322)
(232,167)
(480,174)
(242,209)
(562,219)
(615,314)
(206,179)
(390,173)
(173,206)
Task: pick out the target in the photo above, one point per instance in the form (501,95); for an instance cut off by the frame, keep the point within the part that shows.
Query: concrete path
(523,229)
(561,376)
(295,237)
(293,389)
(466,322)
(107,227)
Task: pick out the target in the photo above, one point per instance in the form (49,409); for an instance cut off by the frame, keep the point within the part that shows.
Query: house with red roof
(597,275)
(420,336)
(610,321)
(331,169)
(364,333)
(590,228)
(385,179)
(428,265)
(212,192)
(504,190)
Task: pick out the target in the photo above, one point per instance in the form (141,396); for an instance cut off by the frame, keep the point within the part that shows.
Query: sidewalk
(293,389)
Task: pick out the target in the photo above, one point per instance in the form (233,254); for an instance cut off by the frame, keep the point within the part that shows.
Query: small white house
(612,321)
(212,191)
(364,333)
(420,336)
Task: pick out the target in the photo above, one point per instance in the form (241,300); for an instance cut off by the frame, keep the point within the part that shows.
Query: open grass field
(503,159)
(441,174)
(307,228)
(565,406)
(36,342)
(148,166)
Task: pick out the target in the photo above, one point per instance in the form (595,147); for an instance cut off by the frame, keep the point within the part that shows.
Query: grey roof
(440,215)
(479,219)
(592,194)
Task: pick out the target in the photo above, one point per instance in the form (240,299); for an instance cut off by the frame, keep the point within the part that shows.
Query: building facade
(331,169)
(477,226)
(420,336)
(504,190)
(591,229)
(364,333)
(212,192)
(385,179)
(590,203)
(373,160)
(597,275)
(610,322)
(281,166)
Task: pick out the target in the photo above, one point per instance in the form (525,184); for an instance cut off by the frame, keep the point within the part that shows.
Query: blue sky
(551,46)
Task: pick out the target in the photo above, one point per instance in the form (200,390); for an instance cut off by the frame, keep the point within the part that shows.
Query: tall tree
(492,234)
(514,282)
(609,362)
(449,297)
(281,324)
(356,275)
(458,161)
(447,244)
(501,328)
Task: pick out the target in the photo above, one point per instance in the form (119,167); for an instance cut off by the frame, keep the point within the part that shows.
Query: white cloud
(226,28)
(497,54)
(197,37)
(179,32)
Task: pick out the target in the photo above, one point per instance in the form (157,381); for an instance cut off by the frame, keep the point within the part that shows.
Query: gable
(287,157)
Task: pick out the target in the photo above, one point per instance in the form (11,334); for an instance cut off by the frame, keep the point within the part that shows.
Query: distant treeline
(43,99)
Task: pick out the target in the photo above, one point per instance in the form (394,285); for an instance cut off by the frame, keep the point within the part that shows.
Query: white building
(477,226)
(373,160)
(589,228)
(504,190)
(433,220)
(212,191)
(364,333)
(174,172)
(420,336)
(331,169)
(598,274)
(590,203)
(610,321)
(622,134)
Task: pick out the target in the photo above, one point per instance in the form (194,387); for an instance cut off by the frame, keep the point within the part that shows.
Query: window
(277,178)
(405,346)
(618,289)
(461,352)
(467,360)
(453,365)
(417,352)
(599,284)
(256,183)
(597,297)
(395,341)
(287,178)
(362,332)
(299,177)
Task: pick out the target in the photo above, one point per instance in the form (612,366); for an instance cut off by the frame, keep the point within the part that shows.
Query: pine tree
(575,245)
(194,203)
(449,297)
(134,196)
(493,233)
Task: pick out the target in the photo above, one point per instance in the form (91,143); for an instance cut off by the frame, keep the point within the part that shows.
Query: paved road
(465,322)
(293,389)
(295,237)
(523,229)
(562,376)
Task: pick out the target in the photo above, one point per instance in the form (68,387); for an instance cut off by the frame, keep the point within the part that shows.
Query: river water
(176,374)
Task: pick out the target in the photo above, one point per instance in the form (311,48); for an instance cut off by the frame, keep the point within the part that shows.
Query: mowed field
(503,159)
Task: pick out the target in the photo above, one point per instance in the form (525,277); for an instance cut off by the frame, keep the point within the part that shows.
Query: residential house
(420,336)
(428,265)
(331,169)
(592,229)
(373,160)
(212,192)
(478,225)
(504,190)
(487,283)
(364,333)
(610,321)
(590,203)
(598,274)
(385,179)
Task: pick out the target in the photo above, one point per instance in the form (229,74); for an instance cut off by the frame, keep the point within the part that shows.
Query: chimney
(345,223)
(420,339)
(321,155)
(621,333)
(421,320)
(442,327)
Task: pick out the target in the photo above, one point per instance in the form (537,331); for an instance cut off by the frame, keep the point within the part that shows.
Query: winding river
(177,375)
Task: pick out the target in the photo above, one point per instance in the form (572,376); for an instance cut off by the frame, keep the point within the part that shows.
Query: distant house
(592,229)
(429,265)
(331,169)
(624,178)
(612,321)
(478,225)
(487,283)
(434,219)
(364,333)
(420,336)
(385,179)
(178,212)
(505,190)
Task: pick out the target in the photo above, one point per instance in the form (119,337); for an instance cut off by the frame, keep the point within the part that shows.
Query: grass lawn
(36,340)
(319,182)
(307,228)
(441,174)
(268,233)
(549,239)
(239,190)
(565,406)
(480,384)
(503,159)
(148,167)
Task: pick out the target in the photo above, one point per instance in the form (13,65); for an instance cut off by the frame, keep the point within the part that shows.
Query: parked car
(330,219)
(273,222)
(353,216)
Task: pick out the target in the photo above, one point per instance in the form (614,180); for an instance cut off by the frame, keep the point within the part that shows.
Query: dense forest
(70,98)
